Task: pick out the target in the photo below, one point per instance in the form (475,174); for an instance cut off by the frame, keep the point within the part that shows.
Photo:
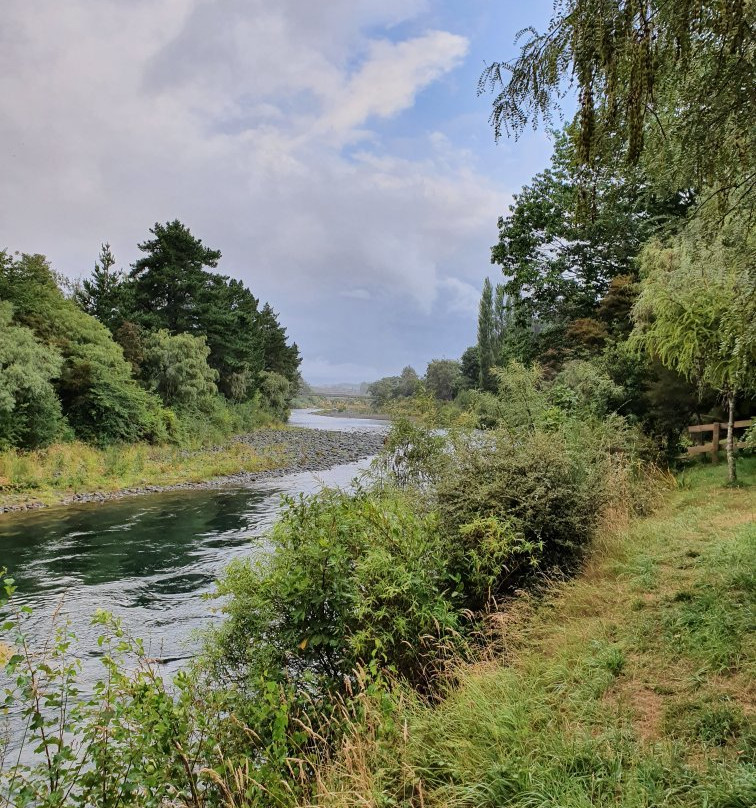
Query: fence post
(715,443)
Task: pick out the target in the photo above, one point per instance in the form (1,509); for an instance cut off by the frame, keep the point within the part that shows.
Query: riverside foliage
(168,353)
(357,593)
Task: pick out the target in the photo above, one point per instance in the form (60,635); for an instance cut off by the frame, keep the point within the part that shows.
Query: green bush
(508,503)
(352,580)
(584,388)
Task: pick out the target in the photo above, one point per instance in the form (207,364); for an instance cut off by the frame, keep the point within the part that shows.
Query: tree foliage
(486,336)
(390,388)
(101,400)
(558,265)
(30,414)
(697,308)
(175,367)
(102,295)
(170,282)
(443,378)
(642,71)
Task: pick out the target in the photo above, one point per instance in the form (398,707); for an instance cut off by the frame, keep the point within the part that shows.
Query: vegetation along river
(149,559)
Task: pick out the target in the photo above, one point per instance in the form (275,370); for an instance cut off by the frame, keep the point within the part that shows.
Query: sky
(336,152)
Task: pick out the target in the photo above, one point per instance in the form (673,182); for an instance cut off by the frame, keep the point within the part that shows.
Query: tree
(276,392)
(409,383)
(279,356)
(384,390)
(697,308)
(486,336)
(172,289)
(175,367)
(670,85)
(169,283)
(390,388)
(102,295)
(558,264)
(470,366)
(100,399)
(30,414)
(443,378)
(234,329)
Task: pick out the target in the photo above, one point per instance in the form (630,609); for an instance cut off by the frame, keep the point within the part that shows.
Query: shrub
(510,502)
(585,389)
(352,580)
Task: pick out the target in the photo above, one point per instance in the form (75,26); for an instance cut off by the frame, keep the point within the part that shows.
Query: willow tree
(670,84)
(696,310)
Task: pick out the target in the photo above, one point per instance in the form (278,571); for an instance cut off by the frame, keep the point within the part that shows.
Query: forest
(168,352)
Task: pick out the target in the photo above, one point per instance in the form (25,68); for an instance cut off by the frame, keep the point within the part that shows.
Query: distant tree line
(166,351)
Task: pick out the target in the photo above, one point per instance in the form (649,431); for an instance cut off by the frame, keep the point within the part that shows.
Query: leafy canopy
(175,367)
(30,414)
(697,306)
(667,84)
(100,399)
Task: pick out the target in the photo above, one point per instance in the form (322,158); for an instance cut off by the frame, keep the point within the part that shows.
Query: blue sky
(335,152)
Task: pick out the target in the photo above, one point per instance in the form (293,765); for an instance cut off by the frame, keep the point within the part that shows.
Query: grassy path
(632,685)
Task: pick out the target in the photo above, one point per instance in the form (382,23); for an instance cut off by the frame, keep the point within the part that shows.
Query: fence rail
(717,442)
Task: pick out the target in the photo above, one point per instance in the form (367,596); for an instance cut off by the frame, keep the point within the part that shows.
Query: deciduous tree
(697,308)
(670,85)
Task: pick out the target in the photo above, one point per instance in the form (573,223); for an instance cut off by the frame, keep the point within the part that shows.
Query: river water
(149,559)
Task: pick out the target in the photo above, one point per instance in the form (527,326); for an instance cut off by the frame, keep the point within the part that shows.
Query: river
(150,559)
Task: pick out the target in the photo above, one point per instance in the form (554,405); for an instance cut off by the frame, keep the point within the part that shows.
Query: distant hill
(340,389)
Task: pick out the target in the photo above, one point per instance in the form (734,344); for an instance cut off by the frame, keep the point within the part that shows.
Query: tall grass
(631,685)
(68,468)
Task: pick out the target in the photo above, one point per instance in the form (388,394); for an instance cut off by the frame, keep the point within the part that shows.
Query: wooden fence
(718,438)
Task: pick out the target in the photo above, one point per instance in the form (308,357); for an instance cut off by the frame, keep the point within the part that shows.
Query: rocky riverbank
(296,450)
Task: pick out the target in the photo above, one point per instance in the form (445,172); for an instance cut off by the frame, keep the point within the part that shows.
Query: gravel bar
(303,450)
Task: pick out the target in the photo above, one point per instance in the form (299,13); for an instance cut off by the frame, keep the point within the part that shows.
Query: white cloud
(240,118)
(389,79)
(464,298)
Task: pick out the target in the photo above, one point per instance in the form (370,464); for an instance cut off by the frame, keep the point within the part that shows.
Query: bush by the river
(355,591)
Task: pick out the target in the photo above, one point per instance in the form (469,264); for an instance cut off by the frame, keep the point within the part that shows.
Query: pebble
(304,450)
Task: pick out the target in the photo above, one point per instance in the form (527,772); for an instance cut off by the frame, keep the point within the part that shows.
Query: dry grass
(49,475)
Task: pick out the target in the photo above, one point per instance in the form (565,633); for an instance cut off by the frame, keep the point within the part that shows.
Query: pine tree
(102,295)
(170,281)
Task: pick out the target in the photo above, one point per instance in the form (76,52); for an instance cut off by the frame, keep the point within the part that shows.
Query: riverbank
(631,684)
(75,472)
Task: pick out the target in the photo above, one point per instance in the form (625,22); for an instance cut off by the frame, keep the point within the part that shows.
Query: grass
(632,685)
(49,475)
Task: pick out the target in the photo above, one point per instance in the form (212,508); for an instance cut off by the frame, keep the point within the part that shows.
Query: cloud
(390,78)
(464,298)
(320,371)
(260,126)
(356,294)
